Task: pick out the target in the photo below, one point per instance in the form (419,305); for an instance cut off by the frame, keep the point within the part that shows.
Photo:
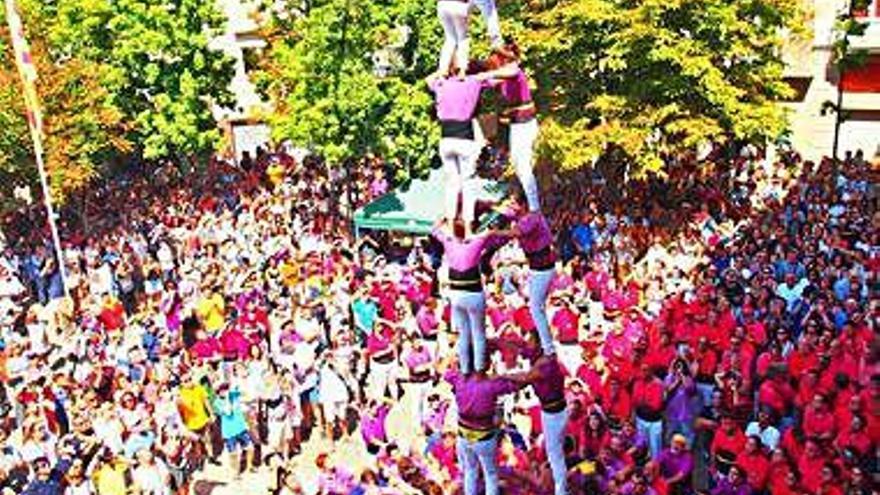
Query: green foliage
(328,95)
(641,78)
(115,76)
(655,77)
(161,73)
(81,128)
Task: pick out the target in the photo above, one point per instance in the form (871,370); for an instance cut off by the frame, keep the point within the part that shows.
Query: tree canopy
(115,77)
(645,78)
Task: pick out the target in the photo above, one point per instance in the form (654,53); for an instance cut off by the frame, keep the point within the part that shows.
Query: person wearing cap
(462,254)
(536,240)
(477,395)
(674,466)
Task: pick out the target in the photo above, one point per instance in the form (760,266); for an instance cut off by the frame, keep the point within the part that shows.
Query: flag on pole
(28,72)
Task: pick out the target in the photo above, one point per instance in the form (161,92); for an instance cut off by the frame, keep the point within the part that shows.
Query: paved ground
(349,452)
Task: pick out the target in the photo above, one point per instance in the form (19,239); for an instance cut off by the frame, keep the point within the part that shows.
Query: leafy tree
(650,78)
(81,126)
(162,74)
(333,97)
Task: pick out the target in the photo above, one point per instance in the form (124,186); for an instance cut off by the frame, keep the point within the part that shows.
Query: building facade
(243,125)
(812,73)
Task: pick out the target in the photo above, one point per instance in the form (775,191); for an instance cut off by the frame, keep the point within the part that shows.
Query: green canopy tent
(415,208)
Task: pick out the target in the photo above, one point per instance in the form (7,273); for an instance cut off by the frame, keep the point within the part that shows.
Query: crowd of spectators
(718,328)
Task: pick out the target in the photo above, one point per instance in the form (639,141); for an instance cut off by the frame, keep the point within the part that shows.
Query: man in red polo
(647,396)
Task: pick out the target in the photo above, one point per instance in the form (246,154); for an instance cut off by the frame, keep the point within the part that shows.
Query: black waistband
(457,129)
(554,406)
(648,415)
(468,280)
(465,275)
(384,356)
(486,424)
(430,337)
(541,259)
(420,376)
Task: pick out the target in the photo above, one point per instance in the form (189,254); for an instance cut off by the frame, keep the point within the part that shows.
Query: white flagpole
(28,78)
(50,214)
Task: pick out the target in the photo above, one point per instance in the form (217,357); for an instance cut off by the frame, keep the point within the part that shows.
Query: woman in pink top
(456,104)
(462,255)
(519,114)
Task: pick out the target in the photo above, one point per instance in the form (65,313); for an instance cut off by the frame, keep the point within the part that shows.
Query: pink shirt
(426,321)
(418,359)
(516,89)
(477,399)
(373,425)
(534,232)
(462,255)
(457,99)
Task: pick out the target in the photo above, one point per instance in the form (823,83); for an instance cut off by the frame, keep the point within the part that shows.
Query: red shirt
(522,317)
(756,468)
(775,395)
(707,361)
(811,472)
(730,443)
(818,423)
(858,440)
(618,406)
(112,317)
(660,357)
(565,322)
(777,479)
(648,395)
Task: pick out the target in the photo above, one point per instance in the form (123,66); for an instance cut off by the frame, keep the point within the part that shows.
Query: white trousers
(459,158)
(539,286)
(522,145)
(554,435)
(474,455)
(380,377)
(454,16)
(468,319)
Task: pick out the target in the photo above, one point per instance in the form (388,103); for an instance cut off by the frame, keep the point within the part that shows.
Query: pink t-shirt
(516,89)
(534,232)
(457,99)
(462,255)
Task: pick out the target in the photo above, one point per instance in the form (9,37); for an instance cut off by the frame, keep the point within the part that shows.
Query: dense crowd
(718,329)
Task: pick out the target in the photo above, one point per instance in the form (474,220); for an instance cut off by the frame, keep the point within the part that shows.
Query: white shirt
(769,436)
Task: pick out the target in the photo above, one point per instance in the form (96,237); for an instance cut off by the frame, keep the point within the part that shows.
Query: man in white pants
(454,16)
(548,382)
(519,115)
(456,101)
(463,255)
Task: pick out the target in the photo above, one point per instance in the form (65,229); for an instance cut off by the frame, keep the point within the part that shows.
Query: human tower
(457,86)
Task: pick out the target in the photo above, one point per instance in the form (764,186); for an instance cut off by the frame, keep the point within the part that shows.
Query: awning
(863,79)
(416,207)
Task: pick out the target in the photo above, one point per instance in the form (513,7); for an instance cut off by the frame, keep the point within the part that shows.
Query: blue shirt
(365,314)
(232,420)
(583,237)
(841,289)
(38,487)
